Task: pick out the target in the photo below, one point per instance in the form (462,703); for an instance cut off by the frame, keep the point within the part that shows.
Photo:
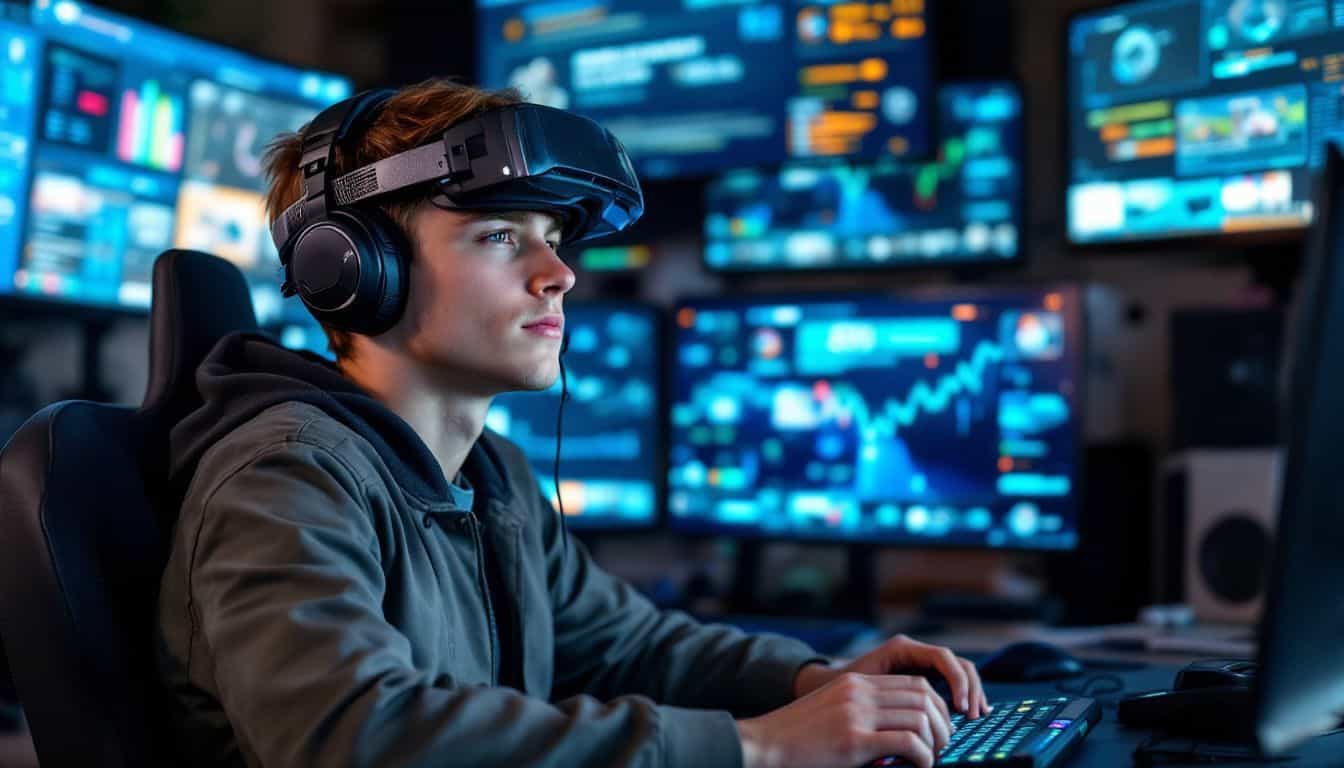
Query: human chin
(539,377)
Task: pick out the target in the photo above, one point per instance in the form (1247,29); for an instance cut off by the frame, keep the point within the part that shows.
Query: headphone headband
(320,138)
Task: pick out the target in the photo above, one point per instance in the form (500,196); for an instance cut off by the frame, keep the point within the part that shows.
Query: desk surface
(1112,744)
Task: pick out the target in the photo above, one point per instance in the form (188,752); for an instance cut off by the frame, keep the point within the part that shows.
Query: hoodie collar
(247,373)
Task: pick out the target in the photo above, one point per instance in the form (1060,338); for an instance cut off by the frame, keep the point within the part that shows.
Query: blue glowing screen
(947,421)
(610,453)
(963,206)
(1199,117)
(119,140)
(694,86)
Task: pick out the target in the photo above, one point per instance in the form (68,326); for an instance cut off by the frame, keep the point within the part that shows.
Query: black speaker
(1108,578)
(1224,377)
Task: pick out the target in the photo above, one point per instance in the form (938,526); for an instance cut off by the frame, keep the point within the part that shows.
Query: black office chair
(84,514)
(9,700)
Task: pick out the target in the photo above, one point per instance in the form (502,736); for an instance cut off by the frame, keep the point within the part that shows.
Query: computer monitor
(701,86)
(136,139)
(610,451)
(964,207)
(1300,686)
(949,420)
(19,48)
(1198,117)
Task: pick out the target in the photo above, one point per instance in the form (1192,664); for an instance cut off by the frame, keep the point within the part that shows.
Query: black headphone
(347,264)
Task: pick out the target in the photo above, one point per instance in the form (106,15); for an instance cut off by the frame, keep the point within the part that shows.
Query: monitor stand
(855,599)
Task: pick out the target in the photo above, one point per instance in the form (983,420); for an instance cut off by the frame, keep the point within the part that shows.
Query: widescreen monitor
(934,421)
(1198,118)
(962,207)
(696,86)
(132,139)
(610,449)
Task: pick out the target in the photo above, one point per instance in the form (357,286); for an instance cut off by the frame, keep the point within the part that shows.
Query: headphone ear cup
(382,308)
(351,270)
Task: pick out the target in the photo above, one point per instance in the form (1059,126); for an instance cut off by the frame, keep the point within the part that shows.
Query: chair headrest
(198,299)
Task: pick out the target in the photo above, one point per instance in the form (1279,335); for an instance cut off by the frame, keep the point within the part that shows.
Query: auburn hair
(414,116)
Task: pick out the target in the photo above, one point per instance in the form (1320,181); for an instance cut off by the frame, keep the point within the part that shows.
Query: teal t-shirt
(461,492)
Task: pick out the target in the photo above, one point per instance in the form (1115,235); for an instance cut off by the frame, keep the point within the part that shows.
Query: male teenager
(362,574)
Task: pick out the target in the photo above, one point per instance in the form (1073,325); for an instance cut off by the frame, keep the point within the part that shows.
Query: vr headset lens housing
(520,157)
(531,157)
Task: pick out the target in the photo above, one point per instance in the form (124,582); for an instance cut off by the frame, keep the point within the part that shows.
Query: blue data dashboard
(696,86)
(1200,117)
(121,139)
(964,206)
(610,454)
(949,421)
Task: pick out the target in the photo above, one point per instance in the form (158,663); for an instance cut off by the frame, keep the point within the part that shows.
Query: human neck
(447,418)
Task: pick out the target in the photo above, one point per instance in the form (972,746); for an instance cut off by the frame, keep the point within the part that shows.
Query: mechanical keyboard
(1031,733)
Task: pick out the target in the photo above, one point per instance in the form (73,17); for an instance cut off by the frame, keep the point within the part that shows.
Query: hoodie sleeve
(284,597)
(612,641)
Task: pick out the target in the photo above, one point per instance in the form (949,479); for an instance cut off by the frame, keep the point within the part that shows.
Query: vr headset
(347,261)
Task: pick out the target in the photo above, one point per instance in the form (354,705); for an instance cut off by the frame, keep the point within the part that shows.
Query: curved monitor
(1198,117)
(135,139)
(610,453)
(947,421)
(699,86)
(963,207)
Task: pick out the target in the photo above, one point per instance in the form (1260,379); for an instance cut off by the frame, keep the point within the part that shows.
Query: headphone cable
(559,424)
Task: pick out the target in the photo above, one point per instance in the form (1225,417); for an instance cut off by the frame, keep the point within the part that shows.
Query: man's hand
(902,653)
(850,720)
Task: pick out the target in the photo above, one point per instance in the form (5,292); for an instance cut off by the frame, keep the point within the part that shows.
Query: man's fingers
(911,683)
(978,700)
(947,663)
(916,721)
(903,743)
(932,707)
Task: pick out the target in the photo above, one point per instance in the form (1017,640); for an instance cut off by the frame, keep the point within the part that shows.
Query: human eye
(502,236)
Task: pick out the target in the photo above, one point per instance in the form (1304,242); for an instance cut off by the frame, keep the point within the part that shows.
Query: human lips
(550,326)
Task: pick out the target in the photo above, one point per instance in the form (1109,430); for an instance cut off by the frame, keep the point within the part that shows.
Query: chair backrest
(82,564)
(198,300)
(84,548)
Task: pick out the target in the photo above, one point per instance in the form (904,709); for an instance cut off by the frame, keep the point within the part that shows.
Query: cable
(1095,687)
(559,424)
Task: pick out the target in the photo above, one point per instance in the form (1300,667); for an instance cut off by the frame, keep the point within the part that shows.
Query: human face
(484,312)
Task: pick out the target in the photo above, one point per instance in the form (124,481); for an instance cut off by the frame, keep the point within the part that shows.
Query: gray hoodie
(325,603)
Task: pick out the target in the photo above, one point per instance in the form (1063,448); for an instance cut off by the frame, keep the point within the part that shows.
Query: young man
(363,575)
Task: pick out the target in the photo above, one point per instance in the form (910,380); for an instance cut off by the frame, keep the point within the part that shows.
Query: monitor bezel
(959,267)
(1164,246)
(1076,323)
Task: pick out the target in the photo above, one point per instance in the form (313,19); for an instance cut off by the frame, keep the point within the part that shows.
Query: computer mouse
(1028,662)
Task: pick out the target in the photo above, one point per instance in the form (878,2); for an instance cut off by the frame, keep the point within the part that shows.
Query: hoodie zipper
(484,583)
